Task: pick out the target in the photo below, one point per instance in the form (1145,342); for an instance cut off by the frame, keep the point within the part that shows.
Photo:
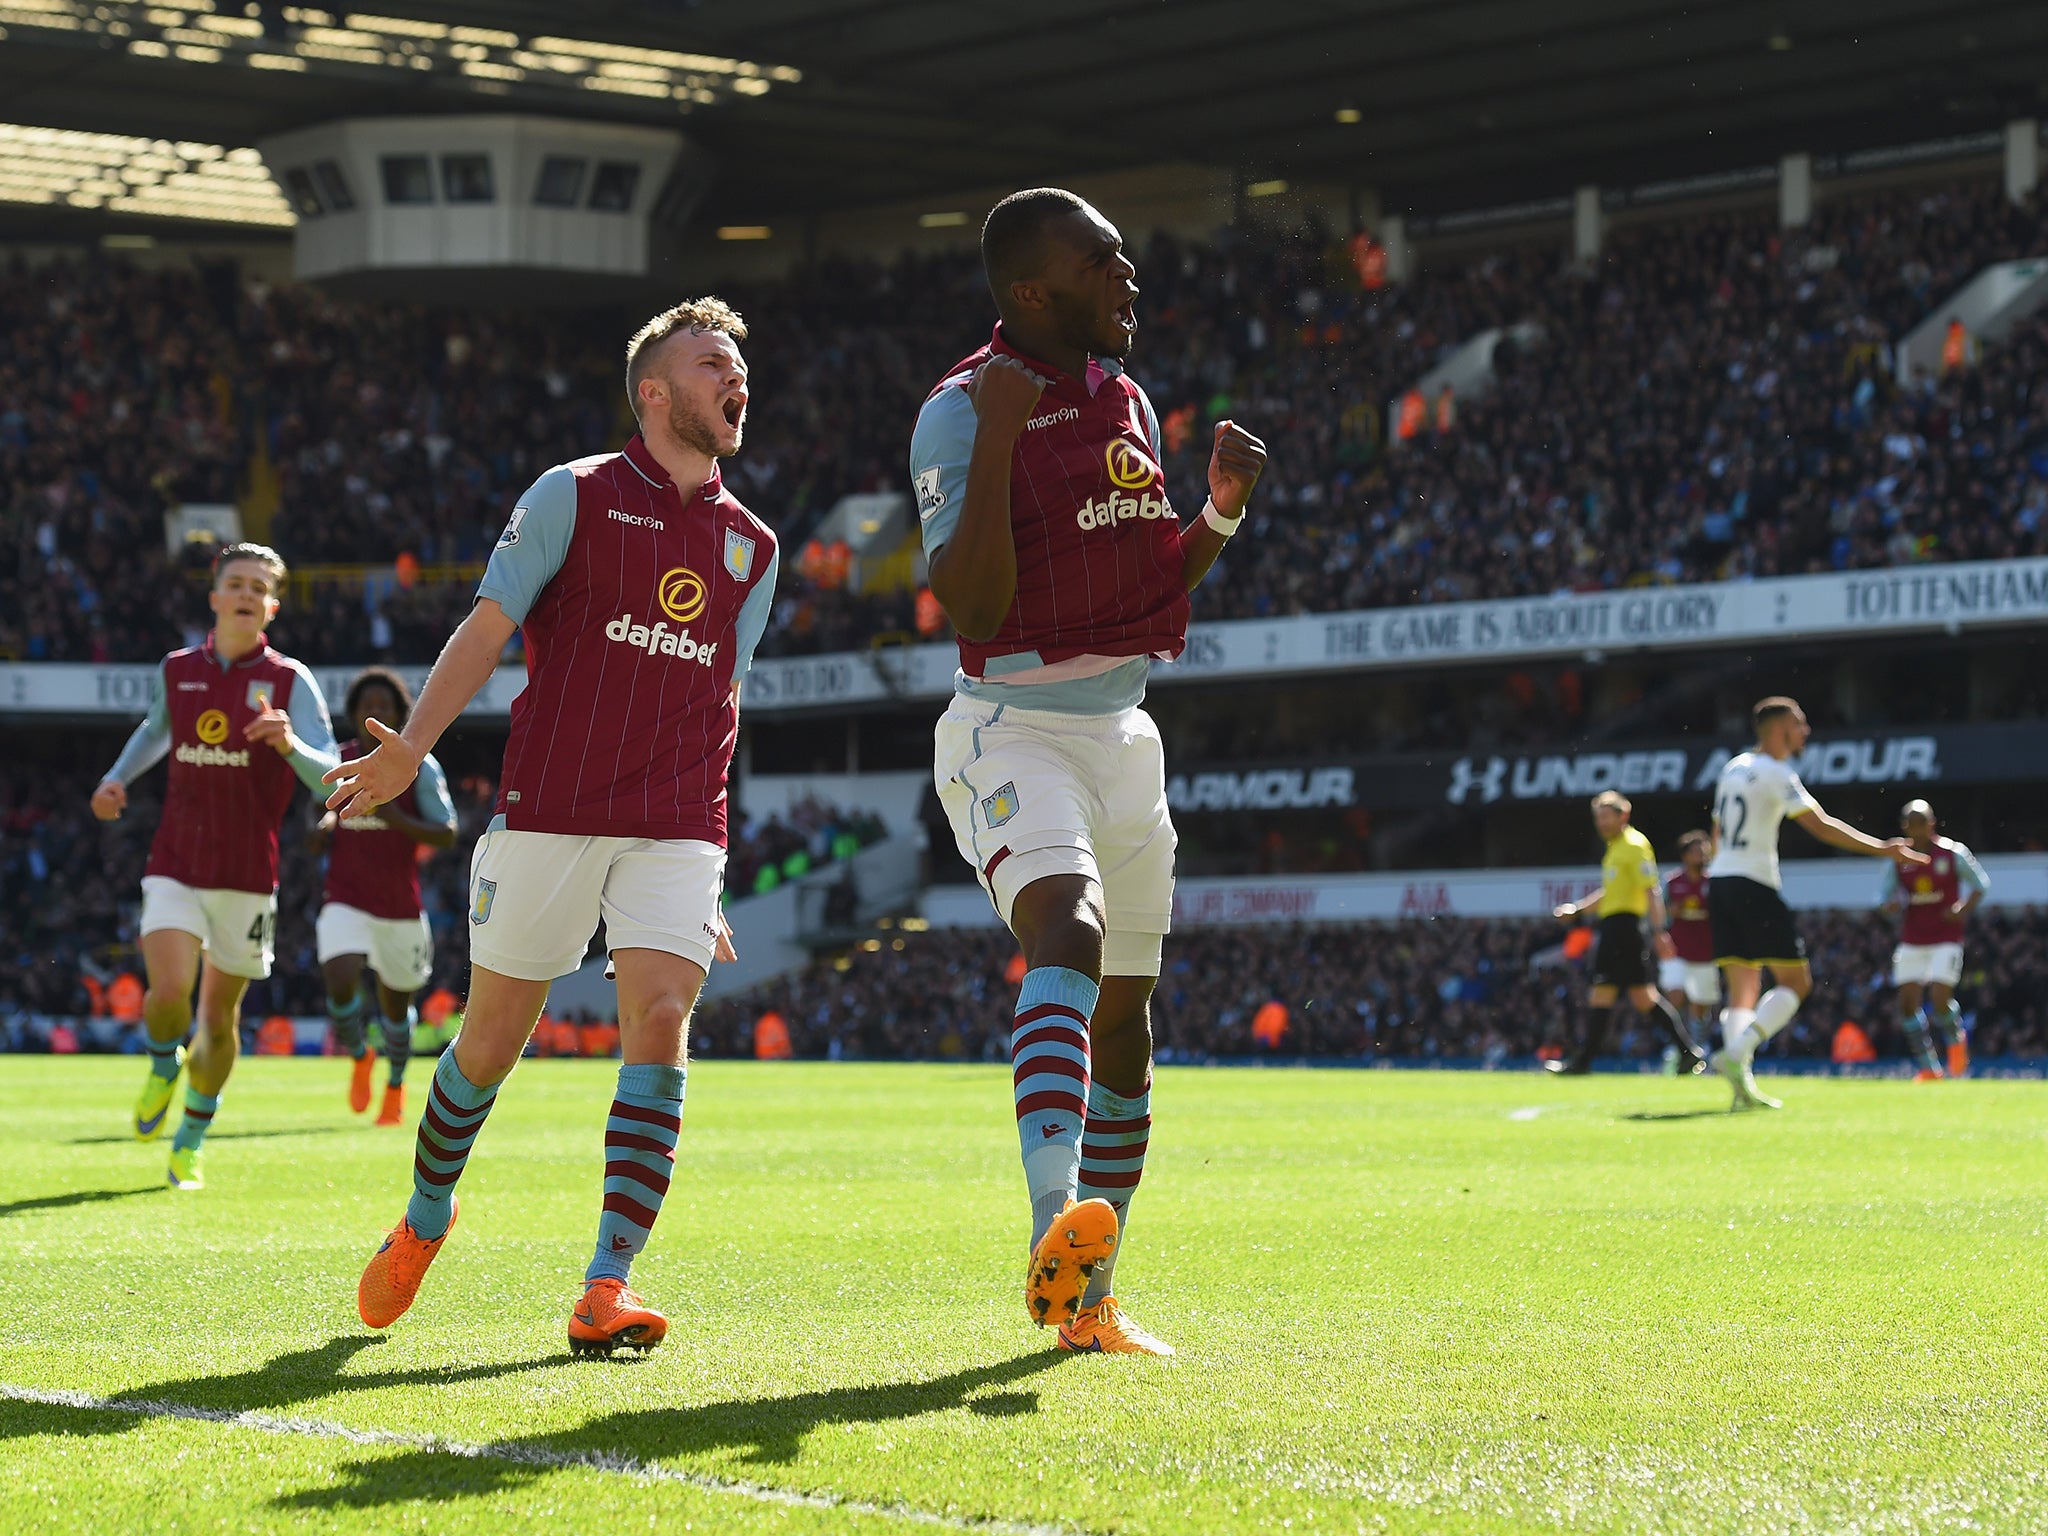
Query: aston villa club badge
(260,695)
(739,554)
(1000,806)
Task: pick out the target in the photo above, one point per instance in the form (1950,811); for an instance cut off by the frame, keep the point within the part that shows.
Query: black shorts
(1621,959)
(1752,924)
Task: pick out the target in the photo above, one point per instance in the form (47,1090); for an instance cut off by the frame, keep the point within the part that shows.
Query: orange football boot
(1928,1075)
(394,1274)
(393,1112)
(1106,1329)
(1065,1259)
(359,1082)
(1959,1058)
(612,1315)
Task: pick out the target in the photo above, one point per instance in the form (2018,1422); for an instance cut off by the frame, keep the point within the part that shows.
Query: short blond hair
(262,554)
(1613,800)
(709,313)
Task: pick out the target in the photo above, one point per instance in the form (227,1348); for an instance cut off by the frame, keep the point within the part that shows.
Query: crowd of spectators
(70,885)
(1713,398)
(1461,990)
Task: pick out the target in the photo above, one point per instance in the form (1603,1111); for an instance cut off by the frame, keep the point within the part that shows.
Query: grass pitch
(1404,1302)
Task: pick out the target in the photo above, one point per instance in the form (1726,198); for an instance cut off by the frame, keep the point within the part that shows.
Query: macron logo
(660,640)
(636,522)
(1052,418)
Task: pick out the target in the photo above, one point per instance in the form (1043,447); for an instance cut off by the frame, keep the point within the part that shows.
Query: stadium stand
(1453,989)
(68,887)
(1713,399)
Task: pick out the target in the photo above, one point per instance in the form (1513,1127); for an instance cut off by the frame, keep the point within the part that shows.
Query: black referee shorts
(1621,958)
(1752,925)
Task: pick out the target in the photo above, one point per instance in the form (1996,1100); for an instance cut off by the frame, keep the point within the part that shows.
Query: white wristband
(1223,525)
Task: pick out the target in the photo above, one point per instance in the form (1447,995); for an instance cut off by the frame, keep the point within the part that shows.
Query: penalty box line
(527,1454)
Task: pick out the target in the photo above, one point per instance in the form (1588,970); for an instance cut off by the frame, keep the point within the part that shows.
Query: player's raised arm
(529,553)
(303,734)
(466,663)
(974,573)
(1839,834)
(1235,464)
(1970,875)
(147,746)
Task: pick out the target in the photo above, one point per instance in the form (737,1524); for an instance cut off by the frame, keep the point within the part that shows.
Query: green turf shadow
(297,1376)
(766,1429)
(75,1197)
(212,1137)
(1649,1116)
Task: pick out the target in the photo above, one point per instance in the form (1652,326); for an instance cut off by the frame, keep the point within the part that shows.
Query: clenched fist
(1234,468)
(1004,393)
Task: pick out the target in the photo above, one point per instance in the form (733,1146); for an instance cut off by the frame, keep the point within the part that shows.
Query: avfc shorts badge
(260,695)
(739,554)
(1000,806)
(486,893)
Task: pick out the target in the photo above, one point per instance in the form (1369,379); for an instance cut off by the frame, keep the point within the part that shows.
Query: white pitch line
(1525,1114)
(526,1454)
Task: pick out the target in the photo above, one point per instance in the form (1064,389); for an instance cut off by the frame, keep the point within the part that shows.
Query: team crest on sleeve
(931,493)
(739,554)
(511,534)
(1000,806)
(486,893)
(260,694)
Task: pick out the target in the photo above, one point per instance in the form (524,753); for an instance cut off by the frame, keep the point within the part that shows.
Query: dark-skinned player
(1065,571)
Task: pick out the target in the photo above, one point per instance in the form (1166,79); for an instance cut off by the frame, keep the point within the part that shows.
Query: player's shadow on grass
(74,1197)
(766,1429)
(295,1377)
(212,1137)
(1676,1114)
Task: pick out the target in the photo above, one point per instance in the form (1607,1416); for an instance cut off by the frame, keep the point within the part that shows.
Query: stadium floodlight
(147,176)
(487,60)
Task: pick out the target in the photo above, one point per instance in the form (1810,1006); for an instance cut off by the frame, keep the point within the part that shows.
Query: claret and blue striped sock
(163,1055)
(199,1111)
(1112,1162)
(1049,1058)
(455,1112)
(347,1020)
(639,1158)
(397,1038)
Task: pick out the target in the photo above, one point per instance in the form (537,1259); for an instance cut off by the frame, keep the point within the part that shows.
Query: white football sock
(1774,1013)
(1736,1037)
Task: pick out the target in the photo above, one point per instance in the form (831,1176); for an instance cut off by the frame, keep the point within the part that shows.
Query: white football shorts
(400,949)
(237,929)
(535,899)
(1032,793)
(1699,980)
(1935,964)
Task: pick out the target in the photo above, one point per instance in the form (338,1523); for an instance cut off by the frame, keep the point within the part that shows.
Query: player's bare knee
(163,1011)
(664,1013)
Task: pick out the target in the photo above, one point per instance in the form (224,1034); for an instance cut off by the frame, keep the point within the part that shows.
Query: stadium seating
(1451,989)
(69,886)
(1711,400)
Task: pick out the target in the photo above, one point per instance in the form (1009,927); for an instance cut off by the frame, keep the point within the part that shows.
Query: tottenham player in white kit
(1753,929)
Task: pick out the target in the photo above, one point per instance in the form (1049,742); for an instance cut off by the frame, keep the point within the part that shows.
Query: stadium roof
(816,104)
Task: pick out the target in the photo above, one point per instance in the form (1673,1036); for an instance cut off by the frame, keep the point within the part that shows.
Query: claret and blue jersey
(1100,583)
(642,603)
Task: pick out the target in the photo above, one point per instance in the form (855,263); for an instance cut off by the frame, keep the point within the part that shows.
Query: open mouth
(734,408)
(1127,316)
